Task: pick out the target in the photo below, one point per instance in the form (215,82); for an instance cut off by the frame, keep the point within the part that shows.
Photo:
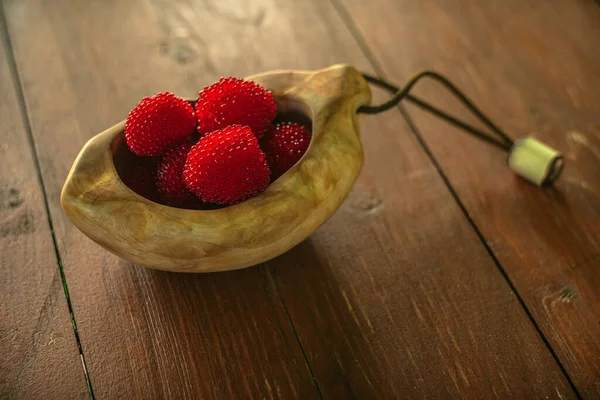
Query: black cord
(505,141)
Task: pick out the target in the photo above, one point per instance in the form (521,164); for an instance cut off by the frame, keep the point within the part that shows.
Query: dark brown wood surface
(534,66)
(397,295)
(39,358)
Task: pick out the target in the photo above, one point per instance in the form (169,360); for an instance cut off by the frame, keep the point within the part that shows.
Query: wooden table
(442,276)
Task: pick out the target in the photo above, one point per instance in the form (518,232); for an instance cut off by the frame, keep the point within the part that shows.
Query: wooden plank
(148,334)
(534,67)
(396,298)
(39,355)
(395,294)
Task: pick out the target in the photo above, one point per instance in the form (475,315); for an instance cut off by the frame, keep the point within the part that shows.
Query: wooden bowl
(174,239)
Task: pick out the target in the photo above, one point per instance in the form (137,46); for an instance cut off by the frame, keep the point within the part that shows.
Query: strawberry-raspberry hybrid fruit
(157,123)
(235,101)
(285,145)
(169,175)
(227,166)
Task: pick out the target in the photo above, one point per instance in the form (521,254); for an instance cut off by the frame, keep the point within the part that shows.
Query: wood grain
(39,358)
(409,304)
(393,296)
(534,67)
(288,211)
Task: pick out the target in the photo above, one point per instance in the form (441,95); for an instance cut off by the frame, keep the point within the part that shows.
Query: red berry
(157,123)
(235,101)
(285,145)
(169,175)
(227,166)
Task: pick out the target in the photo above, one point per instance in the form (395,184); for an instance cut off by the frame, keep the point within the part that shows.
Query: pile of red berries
(222,150)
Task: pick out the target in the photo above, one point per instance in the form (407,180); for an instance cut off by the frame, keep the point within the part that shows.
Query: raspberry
(158,122)
(235,101)
(227,166)
(285,145)
(169,175)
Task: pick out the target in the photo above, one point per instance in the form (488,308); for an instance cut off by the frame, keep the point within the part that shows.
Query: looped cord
(503,141)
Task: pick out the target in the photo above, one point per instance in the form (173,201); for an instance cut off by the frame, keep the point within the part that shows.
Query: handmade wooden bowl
(291,208)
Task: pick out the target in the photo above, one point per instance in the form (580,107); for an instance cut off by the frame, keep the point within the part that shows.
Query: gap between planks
(272,285)
(356,33)
(12,64)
